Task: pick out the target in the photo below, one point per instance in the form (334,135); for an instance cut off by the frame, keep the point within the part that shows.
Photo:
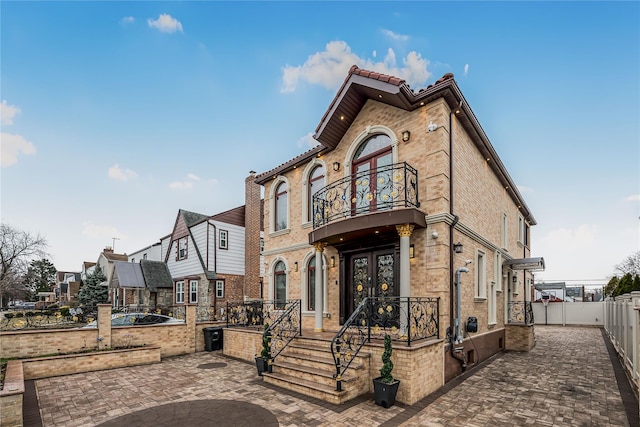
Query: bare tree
(17,249)
(630,265)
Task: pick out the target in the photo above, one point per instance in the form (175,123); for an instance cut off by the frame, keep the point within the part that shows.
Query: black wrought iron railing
(284,318)
(383,188)
(403,319)
(520,312)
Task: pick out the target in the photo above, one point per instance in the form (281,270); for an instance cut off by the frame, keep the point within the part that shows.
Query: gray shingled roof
(192,218)
(156,274)
(128,275)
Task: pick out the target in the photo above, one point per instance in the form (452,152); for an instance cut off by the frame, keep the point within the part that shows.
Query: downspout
(215,260)
(453,335)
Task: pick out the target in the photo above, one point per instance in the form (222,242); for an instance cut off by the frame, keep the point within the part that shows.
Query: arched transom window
(372,172)
(316,182)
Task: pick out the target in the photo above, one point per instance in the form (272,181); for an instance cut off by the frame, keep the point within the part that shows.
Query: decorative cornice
(287,249)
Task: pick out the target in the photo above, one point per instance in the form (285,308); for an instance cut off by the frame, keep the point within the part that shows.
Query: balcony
(376,190)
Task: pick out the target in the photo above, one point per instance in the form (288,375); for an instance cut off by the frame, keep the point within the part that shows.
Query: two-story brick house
(402,192)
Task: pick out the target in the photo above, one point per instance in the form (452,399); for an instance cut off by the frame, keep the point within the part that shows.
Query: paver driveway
(566,380)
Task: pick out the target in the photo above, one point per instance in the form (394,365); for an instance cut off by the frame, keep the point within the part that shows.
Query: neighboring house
(151,253)
(87,269)
(67,287)
(144,285)
(216,259)
(105,261)
(403,188)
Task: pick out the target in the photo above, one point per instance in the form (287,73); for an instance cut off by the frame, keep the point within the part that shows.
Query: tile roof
(375,76)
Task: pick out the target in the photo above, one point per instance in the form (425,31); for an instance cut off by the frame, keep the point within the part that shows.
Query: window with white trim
(193,291)
(315,183)
(224,239)
(180,292)
(521,230)
(497,268)
(281,204)
(280,285)
(219,288)
(481,275)
(492,304)
(503,231)
(182,249)
(311,284)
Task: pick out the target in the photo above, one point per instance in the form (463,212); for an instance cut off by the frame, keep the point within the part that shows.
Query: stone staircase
(306,366)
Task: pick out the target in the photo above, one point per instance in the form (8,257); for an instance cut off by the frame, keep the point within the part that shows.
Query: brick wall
(11,395)
(253,221)
(243,344)
(46,367)
(519,337)
(419,368)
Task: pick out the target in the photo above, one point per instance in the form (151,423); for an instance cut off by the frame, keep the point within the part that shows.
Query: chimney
(108,250)
(252,224)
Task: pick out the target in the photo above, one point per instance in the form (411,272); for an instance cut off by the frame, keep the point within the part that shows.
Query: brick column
(253,225)
(190,319)
(104,326)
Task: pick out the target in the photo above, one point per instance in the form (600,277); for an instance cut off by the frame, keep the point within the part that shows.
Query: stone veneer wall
(11,395)
(519,337)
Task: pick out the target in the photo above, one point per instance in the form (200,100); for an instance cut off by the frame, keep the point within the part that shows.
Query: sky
(117,114)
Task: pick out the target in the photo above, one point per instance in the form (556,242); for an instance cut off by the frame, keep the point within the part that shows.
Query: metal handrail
(404,319)
(395,185)
(284,329)
(344,346)
(520,312)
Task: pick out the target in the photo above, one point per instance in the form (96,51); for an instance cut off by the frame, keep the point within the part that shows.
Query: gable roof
(110,256)
(127,275)
(156,274)
(362,85)
(192,218)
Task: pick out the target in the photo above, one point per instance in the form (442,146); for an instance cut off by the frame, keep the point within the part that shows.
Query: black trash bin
(212,338)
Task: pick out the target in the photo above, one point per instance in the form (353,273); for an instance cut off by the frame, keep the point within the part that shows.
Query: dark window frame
(281,195)
(312,179)
(179,255)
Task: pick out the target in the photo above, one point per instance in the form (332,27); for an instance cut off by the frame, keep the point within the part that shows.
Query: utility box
(472,324)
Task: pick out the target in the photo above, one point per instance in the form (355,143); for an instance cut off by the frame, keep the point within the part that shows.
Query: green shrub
(387,364)
(19,314)
(9,315)
(64,311)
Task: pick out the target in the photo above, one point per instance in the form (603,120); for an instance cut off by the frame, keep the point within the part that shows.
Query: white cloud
(395,36)
(213,181)
(119,174)
(374,54)
(13,145)
(329,67)
(7,113)
(307,141)
(96,231)
(165,23)
(181,185)
(187,183)
(127,20)
(466,69)
(634,198)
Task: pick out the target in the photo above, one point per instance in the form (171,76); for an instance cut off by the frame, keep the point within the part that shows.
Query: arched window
(280,279)
(372,173)
(280,214)
(311,284)
(316,181)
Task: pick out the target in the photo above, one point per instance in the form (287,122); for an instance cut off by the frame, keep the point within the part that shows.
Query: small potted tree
(385,387)
(262,361)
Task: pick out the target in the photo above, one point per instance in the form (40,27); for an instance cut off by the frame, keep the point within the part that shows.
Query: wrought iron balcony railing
(383,188)
(521,312)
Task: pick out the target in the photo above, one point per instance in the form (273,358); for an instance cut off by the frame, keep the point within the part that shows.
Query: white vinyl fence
(569,313)
(622,323)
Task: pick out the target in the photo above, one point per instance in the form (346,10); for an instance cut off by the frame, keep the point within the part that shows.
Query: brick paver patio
(566,380)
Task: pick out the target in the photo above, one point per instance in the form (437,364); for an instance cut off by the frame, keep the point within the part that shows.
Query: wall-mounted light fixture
(514,279)
(332,261)
(412,251)
(406,135)
(432,127)
(457,248)
(336,166)
(295,266)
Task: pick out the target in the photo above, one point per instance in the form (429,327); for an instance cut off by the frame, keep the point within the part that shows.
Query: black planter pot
(385,394)
(262,365)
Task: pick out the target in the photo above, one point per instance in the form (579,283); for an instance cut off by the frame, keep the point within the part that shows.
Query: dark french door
(371,273)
